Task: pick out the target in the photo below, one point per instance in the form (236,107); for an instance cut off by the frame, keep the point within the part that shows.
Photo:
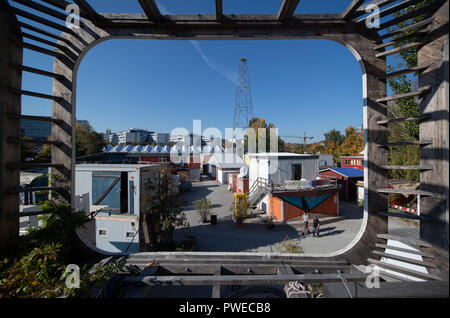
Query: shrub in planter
(203,208)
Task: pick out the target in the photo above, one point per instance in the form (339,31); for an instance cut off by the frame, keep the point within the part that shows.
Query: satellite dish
(243,172)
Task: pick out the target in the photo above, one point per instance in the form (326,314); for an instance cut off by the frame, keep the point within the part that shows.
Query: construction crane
(304,137)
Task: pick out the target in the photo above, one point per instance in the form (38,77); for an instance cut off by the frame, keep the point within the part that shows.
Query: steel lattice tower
(243,110)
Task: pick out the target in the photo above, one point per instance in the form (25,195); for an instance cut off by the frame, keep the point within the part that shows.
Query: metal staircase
(259,189)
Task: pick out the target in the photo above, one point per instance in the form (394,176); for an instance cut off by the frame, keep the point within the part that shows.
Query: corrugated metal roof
(147,149)
(347,172)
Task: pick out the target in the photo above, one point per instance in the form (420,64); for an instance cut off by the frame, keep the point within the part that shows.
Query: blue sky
(301,86)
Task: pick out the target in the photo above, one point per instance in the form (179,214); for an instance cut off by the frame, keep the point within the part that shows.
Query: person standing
(305,223)
(316,226)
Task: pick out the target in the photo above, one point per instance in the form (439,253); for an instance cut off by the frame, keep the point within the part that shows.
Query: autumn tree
(353,143)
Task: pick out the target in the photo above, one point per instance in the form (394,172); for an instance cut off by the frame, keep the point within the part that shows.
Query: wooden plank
(33,189)
(389,277)
(36,71)
(61,4)
(43,32)
(404,240)
(420,92)
(239,279)
(422,168)
(378,3)
(219,10)
(403,215)
(36,118)
(41,20)
(404,191)
(34,213)
(428,10)
(228,260)
(402,120)
(151,10)
(351,9)
(408,28)
(285,270)
(216,288)
(40,165)
(34,94)
(287,9)
(400,49)
(394,8)
(40,49)
(404,270)
(405,250)
(43,9)
(86,10)
(407,143)
(33,141)
(405,259)
(43,41)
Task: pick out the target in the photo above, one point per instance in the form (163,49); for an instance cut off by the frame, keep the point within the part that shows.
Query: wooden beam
(405,119)
(408,28)
(36,118)
(151,10)
(423,142)
(428,10)
(61,4)
(405,71)
(287,9)
(405,250)
(404,270)
(36,71)
(86,10)
(219,10)
(43,9)
(351,9)
(420,92)
(404,191)
(385,12)
(34,94)
(404,240)
(239,279)
(216,287)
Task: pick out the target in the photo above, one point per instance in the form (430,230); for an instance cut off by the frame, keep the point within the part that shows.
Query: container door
(110,189)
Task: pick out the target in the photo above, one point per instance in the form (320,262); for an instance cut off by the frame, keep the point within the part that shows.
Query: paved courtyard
(253,236)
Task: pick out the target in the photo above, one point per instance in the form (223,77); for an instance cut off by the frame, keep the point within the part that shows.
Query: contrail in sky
(230,76)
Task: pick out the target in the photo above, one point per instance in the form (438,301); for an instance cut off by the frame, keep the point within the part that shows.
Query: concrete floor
(253,236)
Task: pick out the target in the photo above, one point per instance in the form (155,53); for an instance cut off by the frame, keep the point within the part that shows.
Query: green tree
(88,141)
(260,123)
(405,107)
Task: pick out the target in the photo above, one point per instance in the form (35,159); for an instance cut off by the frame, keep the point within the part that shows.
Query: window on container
(297,172)
(102,233)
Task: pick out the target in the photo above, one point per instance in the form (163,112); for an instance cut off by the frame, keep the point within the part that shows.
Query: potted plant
(203,208)
(239,212)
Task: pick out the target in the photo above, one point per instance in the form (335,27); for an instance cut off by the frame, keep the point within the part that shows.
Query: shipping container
(121,194)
